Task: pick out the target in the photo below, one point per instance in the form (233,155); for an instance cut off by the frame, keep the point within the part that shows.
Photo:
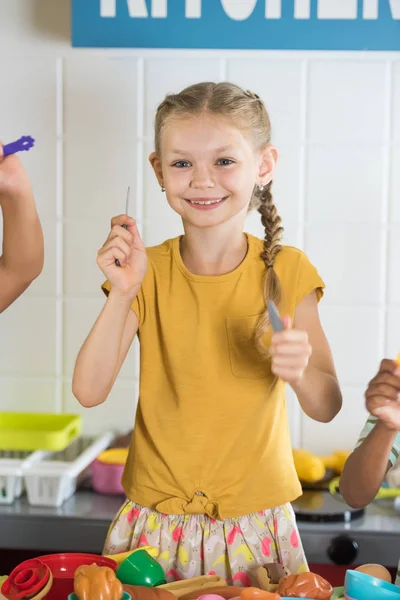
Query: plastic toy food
(305,585)
(227,592)
(269,576)
(199,584)
(375,571)
(336,461)
(142,592)
(251,593)
(309,468)
(97,583)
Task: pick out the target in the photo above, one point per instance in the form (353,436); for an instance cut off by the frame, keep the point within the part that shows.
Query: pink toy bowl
(63,567)
(106,478)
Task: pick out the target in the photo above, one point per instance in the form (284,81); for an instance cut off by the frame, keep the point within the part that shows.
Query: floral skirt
(193,545)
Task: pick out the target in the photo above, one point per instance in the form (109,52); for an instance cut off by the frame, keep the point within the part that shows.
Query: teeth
(207,202)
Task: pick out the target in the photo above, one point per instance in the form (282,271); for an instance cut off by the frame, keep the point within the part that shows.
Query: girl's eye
(225,161)
(181,164)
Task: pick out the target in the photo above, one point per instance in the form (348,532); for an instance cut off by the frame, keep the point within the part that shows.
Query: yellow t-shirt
(211,432)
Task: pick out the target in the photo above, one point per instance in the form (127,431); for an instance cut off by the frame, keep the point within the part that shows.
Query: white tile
(170,76)
(116,414)
(393,267)
(396,101)
(30,108)
(278,83)
(354,336)
(100,101)
(344,183)
(348,257)
(28,99)
(393,333)
(27,341)
(347,101)
(82,239)
(395,185)
(287,183)
(45,284)
(27,394)
(96,181)
(79,318)
(343,432)
(43,179)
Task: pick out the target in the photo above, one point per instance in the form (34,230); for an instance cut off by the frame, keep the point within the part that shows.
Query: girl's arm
(366,467)
(302,357)
(104,351)
(22,256)
(107,345)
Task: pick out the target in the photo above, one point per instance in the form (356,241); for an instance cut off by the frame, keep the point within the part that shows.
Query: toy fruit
(336,461)
(377,571)
(309,468)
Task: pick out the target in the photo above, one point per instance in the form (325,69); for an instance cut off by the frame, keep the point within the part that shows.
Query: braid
(272,245)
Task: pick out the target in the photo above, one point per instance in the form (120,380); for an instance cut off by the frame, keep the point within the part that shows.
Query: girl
(210,473)
(23,253)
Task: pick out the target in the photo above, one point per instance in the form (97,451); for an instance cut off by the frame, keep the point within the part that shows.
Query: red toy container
(63,567)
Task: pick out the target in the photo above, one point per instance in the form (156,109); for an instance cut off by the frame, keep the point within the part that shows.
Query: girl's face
(209,169)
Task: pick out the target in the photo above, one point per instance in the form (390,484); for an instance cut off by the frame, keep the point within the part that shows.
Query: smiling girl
(210,473)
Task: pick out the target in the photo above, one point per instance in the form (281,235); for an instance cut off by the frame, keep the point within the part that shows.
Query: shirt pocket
(246,360)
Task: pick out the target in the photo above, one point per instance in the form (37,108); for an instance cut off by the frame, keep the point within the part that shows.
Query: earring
(162,188)
(261,187)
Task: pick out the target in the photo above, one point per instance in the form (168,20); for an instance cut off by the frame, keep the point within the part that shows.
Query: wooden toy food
(269,576)
(201,583)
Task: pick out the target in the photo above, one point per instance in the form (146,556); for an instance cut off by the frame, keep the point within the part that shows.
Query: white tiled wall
(336,122)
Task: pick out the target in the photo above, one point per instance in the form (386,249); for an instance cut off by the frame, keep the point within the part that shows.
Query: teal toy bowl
(360,586)
(125,596)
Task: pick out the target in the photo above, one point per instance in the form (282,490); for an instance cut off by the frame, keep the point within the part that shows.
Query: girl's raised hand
(290,351)
(126,246)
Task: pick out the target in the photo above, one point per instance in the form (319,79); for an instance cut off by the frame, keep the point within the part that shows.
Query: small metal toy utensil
(274,317)
(126,212)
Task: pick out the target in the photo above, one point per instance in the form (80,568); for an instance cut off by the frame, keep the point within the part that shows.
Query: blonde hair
(247,111)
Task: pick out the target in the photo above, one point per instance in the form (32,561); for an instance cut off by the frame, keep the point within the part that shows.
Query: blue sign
(237,24)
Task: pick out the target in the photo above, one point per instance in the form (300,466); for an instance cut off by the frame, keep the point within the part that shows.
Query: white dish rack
(49,478)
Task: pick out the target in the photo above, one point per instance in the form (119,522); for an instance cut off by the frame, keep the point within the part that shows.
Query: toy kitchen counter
(81,524)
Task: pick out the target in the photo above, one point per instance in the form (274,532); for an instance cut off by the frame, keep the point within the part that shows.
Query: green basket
(38,431)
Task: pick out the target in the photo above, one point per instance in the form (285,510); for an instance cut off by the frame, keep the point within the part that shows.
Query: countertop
(81,524)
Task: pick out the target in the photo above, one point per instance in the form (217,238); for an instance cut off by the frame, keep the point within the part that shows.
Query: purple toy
(26,142)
